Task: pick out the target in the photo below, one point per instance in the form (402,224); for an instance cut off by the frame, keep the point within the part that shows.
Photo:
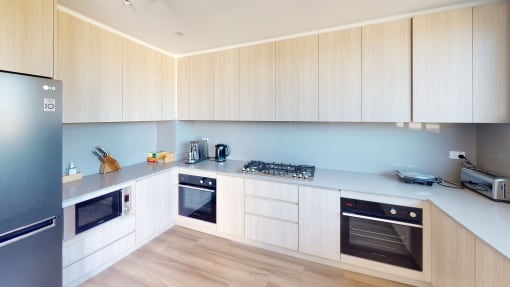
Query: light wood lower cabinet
(273,190)
(492,268)
(319,222)
(453,252)
(154,206)
(272,231)
(26,36)
(230,205)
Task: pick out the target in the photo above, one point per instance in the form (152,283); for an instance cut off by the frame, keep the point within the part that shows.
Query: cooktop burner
(280,169)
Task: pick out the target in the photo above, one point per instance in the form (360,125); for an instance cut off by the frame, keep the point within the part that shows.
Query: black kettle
(221,153)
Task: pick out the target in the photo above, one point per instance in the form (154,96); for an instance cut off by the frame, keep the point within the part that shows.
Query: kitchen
(379,147)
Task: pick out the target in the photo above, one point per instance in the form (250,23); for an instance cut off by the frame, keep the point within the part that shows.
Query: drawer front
(280,191)
(272,231)
(272,208)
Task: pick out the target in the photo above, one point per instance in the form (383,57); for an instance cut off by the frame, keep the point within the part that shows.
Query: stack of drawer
(272,213)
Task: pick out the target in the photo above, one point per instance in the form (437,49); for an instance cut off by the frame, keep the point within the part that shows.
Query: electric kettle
(221,153)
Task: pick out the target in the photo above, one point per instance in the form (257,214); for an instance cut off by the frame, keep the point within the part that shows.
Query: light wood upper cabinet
(26,36)
(386,72)
(226,85)
(201,97)
(442,67)
(319,222)
(257,82)
(453,252)
(142,83)
(183,109)
(340,76)
(89,62)
(492,268)
(491,63)
(167,88)
(230,205)
(297,79)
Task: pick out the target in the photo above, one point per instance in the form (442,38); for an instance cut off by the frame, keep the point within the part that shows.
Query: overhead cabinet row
(450,66)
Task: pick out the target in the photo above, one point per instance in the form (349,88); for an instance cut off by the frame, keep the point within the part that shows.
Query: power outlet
(455,154)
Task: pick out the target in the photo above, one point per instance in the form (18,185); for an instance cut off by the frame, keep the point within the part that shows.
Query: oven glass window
(197,204)
(95,211)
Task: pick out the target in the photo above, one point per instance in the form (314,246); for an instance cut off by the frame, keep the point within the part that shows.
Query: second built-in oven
(381,232)
(197,197)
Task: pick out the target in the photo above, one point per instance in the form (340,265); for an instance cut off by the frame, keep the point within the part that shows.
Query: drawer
(95,239)
(272,231)
(272,208)
(280,191)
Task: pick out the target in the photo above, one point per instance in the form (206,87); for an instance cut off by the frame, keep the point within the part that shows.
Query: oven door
(387,241)
(197,202)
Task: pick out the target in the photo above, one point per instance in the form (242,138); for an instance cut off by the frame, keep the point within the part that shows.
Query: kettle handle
(227,150)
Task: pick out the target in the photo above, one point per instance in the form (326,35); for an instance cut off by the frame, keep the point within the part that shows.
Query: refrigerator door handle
(26,231)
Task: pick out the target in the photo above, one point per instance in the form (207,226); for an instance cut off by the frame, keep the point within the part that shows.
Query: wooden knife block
(109,164)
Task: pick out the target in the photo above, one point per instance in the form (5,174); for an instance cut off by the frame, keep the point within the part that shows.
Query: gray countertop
(486,219)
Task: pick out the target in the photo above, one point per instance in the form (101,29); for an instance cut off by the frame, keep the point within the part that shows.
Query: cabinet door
(153,206)
(141,83)
(257,82)
(183,108)
(167,88)
(226,85)
(491,63)
(319,222)
(340,76)
(492,268)
(453,252)
(297,79)
(26,34)
(272,231)
(89,62)
(201,98)
(386,72)
(230,205)
(442,67)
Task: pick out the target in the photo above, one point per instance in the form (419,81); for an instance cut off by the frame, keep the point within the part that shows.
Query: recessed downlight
(179,34)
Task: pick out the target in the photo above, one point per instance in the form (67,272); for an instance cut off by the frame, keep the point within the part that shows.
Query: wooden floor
(182,257)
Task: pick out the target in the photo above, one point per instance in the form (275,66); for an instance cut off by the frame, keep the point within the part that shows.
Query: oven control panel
(382,210)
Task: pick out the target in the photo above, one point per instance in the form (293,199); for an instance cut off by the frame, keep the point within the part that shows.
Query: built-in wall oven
(90,213)
(197,197)
(381,232)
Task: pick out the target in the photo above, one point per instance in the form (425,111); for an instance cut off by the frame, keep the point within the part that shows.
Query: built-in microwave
(90,213)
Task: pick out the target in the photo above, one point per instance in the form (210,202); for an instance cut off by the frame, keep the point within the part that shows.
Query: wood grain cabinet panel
(272,231)
(257,82)
(453,252)
(89,62)
(272,190)
(340,76)
(491,63)
(230,205)
(167,88)
(26,34)
(386,72)
(201,90)
(183,108)
(226,85)
(492,268)
(319,222)
(142,83)
(443,67)
(297,79)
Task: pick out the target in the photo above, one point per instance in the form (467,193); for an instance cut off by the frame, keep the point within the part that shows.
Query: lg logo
(48,88)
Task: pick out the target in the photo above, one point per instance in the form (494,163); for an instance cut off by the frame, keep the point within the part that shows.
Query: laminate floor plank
(182,257)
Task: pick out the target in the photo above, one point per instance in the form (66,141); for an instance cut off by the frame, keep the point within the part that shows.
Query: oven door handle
(197,188)
(349,214)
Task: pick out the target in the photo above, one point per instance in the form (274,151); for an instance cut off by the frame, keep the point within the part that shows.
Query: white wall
(129,143)
(361,147)
(494,148)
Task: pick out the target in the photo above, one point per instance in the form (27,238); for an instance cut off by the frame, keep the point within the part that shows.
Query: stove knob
(209,183)
(412,214)
(300,175)
(294,175)
(201,181)
(393,211)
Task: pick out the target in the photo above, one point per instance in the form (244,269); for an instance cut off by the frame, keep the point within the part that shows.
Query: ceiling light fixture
(128,2)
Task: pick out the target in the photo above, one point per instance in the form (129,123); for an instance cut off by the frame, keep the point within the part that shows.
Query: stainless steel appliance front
(386,233)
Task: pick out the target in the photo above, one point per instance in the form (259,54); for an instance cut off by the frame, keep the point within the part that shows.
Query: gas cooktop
(279,169)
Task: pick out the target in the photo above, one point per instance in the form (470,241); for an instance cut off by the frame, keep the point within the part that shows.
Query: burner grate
(280,169)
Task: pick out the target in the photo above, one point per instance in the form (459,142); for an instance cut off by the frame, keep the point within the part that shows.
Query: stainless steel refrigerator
(30,181)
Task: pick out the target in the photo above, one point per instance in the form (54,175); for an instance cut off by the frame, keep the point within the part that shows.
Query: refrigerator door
(33,261)
(30,150)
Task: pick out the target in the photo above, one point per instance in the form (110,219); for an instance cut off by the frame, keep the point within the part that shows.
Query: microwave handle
(349,214)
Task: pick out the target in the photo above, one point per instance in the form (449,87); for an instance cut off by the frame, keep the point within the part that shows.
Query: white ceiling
(212,24)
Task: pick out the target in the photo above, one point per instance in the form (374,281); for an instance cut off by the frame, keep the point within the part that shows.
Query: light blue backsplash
(127,142)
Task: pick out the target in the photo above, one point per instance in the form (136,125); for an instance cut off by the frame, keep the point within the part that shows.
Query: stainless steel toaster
(487,184)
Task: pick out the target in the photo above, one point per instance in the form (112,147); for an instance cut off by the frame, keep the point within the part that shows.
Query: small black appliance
(221,153)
